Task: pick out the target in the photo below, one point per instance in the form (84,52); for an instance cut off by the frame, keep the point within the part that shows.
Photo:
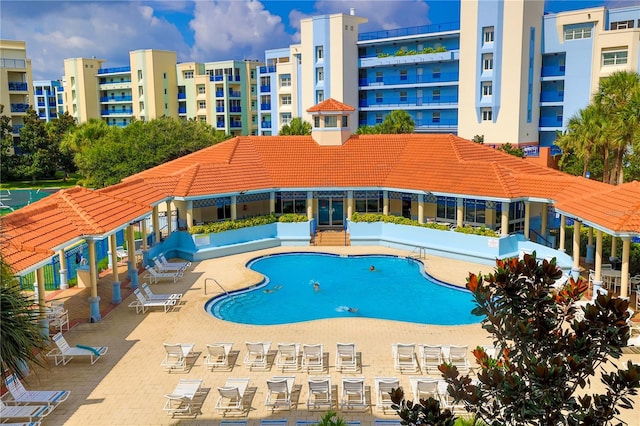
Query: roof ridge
(86,217)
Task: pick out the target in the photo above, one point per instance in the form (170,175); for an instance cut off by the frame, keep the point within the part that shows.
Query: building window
(291,204)
(319,96)
(369,202)
(188,74)
(487,35)
(487,62)
(474,212)
(436,94)
(403,96)
(378,117)
(487,114)
(436,73)
(286,99)
(487,88)
(285,118)
(435,117)
(140,91)
(331,121)
(202,104)
(285,80)
(616,57)
(403,75)
(345,121)
(577,33)
(141,106)
(319,75)
(316,122)
(319,53)
(164,75)
(378,76)
(446,208)
(139,74)
(621,25)
(378,97)
(201,89)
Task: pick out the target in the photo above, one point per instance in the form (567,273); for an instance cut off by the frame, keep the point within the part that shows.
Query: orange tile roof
(330,105)
(436,163)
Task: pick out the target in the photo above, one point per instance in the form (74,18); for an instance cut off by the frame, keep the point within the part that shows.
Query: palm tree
(584,136)
(615,97)
(296,127)
(398,121)
(20,340)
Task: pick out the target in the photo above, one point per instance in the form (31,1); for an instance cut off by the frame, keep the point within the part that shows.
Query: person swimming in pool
(347,309)
(316,286)
(273,290)
(372,268)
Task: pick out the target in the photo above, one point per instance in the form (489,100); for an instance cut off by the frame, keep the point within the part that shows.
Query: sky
(201,30)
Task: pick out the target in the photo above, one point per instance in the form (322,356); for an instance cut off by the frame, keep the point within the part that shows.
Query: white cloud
(381,14)
(235,30)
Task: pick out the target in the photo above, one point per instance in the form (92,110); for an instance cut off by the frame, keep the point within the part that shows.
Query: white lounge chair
(182,400)
(288,356)
(154,276)
(142,304)
(446,400)
(353,393)
(279,392)
(166,267)
(231,399)
(274,422)
(20,395)
(404,357)
(430,357)
(63,353)
(164,261)
(458,357)
(257,354)
(424,388)
(176,355)
(150,295)
(313,357)
(58,316)
(346,357)
(383,387)
(121,254)
(320,393)
(32,412)
(218,356)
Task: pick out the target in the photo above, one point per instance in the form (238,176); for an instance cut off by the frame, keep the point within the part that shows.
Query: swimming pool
(398,289)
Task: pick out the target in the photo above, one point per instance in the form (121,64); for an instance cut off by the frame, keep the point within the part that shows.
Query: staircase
(331,238)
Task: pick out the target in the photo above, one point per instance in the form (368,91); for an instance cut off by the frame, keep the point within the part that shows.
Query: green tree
(21,343)
(548,350)
(58,129)
(368,130)
(512,150)
(7,159)
(478,139)
(398,121)
(36,156)
(296,127)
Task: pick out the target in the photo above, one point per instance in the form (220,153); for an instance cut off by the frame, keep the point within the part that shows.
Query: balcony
(182,96)
(397,101)
(104,82)
(124,111)
(53,115)
(265,124)
(234,94)
(450,123)
(18,87)
(182,110)
(553,71)
(220,124)
(115,70)
(265,89)
(13,63)
(41,103)
(39,92)
(409,31)
(219,93)
(19,107)
(116,99)
(220,109)
(265,107)
(236,124)
(16,128)
(42,115)
(552,96)
(554,121)
(409,80)
(265,70)
(235,109)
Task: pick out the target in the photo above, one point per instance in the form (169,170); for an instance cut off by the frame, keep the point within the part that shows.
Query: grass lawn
(40,184)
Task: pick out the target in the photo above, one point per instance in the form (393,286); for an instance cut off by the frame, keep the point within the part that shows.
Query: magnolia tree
(549,350)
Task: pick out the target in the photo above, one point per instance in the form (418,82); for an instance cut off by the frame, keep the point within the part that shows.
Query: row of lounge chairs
(165,270)
(20,404)
(146,299)
(431,356)
(234,398)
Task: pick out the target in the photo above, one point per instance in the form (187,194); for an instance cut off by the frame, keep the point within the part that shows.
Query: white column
(597,281)
(563,224)
(272,202)
(421,208)
(504,219)
(155,221)
(543,221)
(460,212)
(234,209)
(63,270)
(145,232)
(624,271)
(349,204)
(169,230)
(385,202)
(114,257)
(310,205)
(93,271)
(527,218)
(575,270)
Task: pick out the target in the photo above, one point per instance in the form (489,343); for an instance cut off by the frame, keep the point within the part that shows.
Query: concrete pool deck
(127,387)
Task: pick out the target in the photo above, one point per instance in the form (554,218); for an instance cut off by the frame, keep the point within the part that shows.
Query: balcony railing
(39,92)
(265,70)
(410,80)
(235,109)
(116,98)
(42,115)
(18,87)
(219,93)
(182,110)
(221,78)
(41,103)
(115,70)
(234,94)
(220,124)
(126,111)
(13,63)
(182,96)
(265,124)
(403,32)
(265,88)
(265,107)
(553,71)
(220,109)
(104,81)
(435,124)
(16,128)
(19,107)
(554,96)
(408,101)
(236,124)
(551,121)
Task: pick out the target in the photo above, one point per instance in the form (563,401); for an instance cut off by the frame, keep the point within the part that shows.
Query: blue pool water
(398,289)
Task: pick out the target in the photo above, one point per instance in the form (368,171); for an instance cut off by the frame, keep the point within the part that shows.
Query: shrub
(229,225)
(292,217)
(399,220)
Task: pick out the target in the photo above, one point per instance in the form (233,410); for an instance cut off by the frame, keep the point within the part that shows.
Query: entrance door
(330,212)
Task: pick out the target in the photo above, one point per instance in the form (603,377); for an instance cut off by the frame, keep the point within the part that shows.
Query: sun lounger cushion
(95,351)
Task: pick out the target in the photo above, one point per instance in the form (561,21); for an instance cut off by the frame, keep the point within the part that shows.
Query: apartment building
(16,88)
(48,99)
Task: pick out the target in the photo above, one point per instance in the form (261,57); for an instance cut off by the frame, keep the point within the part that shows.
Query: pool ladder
(419,253)
(215,281)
